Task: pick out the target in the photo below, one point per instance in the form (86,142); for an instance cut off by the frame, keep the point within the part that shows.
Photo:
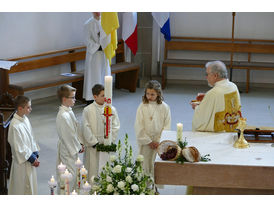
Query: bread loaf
(191,154)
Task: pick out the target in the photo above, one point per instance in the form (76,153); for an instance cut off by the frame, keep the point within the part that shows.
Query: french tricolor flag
(162,19)
(129,31)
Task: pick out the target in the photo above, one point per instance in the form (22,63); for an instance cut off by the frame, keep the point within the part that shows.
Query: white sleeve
(89,137)
(142,137)
(89,31)
(22,152)
(115,125)
(68,135)
(204,112)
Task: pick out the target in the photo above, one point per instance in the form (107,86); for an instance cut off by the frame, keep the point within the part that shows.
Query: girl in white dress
(152,117)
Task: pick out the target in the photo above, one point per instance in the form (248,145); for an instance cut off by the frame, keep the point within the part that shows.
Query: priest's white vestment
(93,133)
(23,178)
(219,110)
(151,120)
(69,143)
(96,64)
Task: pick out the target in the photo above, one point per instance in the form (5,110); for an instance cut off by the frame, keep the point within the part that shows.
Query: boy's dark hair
(64,91)
(97,88)
(21,101)
(154,84)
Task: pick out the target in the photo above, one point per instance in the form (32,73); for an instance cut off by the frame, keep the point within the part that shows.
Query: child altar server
(24,148)
(69,132)
(93,129)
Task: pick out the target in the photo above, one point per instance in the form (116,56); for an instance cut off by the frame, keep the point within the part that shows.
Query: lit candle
(179,131)
(66,173)
(61,167)
(107,111)
(84,172)
(74,193)
(52,180)
(108,88)
(67,176)
(78,163)
(52,184)
(86,187)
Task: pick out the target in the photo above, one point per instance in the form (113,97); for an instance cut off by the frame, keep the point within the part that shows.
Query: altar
(230,171)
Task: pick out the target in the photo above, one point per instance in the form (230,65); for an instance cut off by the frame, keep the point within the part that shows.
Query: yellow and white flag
(108,38)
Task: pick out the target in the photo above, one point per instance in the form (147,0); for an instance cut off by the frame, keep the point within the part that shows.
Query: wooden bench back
(28,63)
(220,45)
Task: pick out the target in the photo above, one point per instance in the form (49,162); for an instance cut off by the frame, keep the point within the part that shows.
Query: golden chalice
(241,142)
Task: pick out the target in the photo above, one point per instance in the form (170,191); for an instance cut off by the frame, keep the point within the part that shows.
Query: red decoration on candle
(107,114)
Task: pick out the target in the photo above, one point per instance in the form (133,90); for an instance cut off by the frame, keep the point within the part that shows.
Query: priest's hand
(194,104)
(36,163)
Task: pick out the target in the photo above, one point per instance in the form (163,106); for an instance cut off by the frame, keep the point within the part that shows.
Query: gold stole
(227,120)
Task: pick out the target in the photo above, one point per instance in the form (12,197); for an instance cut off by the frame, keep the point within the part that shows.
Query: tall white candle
(179,131)
(108,88)
(107,111)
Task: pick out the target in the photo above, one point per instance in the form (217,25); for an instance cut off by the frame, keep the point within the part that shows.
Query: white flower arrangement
(123,176)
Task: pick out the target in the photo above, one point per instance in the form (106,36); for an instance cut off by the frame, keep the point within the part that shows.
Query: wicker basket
(165,145)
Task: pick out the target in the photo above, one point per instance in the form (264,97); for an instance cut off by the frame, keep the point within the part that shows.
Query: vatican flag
(108,38)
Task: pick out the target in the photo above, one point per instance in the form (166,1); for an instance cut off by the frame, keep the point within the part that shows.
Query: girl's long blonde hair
(154,84)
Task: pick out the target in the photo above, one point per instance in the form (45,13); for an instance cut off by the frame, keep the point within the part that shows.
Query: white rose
(117,169)
(110,188)
(112,158)
(129,179)
(109,179)
(128,169)
(95,187)
(139,178)
(121,185)
(135,187)
(140,158)
(116,193)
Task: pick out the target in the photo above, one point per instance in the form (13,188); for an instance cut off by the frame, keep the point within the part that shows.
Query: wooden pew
(126,73)
(48,60)
(226,45)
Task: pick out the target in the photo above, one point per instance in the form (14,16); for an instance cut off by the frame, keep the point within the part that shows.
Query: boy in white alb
(69,132)
(93,129)
(24,148)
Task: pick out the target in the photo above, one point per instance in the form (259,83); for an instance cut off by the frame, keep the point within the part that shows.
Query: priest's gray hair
(217,67)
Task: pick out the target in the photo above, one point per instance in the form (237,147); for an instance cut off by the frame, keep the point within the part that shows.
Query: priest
(220,108)
(24,148)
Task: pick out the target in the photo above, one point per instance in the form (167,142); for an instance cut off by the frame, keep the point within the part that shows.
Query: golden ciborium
(241,142)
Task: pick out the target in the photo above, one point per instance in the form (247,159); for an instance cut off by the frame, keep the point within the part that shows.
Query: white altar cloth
(221,150)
